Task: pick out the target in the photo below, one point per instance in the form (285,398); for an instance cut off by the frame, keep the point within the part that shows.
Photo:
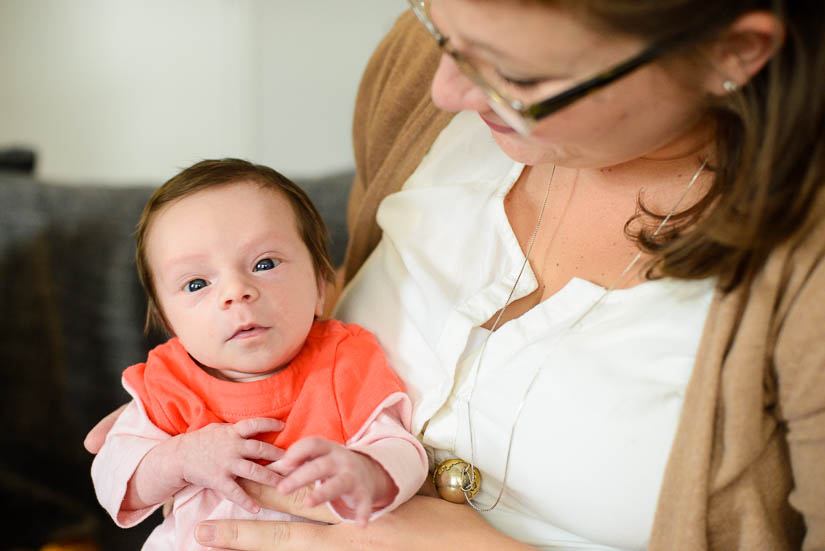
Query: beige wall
(129,91)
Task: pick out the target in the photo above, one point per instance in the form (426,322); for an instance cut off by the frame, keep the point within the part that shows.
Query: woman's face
(531,52)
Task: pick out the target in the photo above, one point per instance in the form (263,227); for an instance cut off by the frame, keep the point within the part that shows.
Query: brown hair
(769,164)
(213,173)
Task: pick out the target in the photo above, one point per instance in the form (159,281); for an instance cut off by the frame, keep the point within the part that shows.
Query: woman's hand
(94,440)
(421,523)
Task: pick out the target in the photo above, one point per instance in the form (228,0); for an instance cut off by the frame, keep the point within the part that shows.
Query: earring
(730,86)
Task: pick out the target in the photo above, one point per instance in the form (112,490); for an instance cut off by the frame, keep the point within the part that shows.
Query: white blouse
(590,446)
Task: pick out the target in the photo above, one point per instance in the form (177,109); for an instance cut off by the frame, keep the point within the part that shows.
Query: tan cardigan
(747,467)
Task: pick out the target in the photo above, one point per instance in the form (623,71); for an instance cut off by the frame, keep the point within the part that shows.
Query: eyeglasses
(522,118)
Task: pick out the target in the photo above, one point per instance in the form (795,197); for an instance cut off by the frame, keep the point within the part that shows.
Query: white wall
(130,91)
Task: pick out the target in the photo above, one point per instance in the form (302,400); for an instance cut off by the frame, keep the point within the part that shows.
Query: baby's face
(234,279)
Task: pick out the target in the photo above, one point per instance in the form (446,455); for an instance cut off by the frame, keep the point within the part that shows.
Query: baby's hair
(221,172)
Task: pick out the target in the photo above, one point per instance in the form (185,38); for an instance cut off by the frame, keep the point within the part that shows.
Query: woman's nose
(454,91)
(238,290)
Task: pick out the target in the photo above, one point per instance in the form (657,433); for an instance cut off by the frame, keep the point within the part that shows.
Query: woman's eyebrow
(489,49)
(516,62)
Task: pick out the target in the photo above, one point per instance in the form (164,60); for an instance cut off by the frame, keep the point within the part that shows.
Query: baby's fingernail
(206,532)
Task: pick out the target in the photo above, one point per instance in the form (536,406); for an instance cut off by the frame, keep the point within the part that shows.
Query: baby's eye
(266,264)
(195,285)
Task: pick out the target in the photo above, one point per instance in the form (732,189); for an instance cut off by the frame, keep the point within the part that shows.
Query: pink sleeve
(130,439)
(385,437)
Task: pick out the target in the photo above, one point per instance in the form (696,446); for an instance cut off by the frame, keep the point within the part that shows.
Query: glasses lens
(481,75)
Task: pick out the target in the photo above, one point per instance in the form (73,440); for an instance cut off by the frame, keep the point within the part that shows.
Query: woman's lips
(498,127)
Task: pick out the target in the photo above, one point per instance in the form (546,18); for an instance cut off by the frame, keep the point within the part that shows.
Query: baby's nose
(238,290)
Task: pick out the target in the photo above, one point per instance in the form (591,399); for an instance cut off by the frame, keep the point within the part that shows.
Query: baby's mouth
(247,332)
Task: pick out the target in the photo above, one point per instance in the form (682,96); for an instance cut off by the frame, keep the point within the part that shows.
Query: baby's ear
(156,324)
(162,324)
(322,296)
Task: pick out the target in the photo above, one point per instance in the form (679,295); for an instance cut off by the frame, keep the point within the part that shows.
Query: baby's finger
(317,469)
(255,449)
(363,510)
(234,493)
(257,425)
(330,489)
(252,471)
(306,449)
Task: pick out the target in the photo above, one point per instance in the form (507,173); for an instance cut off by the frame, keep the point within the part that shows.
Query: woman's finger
(94,440)
(252,535)
(421,523)
(293,503)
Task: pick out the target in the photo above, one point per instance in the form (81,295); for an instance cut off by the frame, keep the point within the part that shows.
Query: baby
(233,259)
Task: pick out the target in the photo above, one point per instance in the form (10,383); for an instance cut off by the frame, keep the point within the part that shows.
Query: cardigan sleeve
(800,368)
(394,124)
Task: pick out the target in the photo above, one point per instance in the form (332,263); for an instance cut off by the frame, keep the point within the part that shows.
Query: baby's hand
(343,473)
(215,455)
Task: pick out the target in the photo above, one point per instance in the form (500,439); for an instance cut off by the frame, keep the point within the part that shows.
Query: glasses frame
(522,118)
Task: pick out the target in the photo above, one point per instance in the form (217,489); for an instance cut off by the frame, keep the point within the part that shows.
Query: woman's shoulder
(781,313)
(394,125)
(800,300)
(799,267)
(393,110)
(401,66)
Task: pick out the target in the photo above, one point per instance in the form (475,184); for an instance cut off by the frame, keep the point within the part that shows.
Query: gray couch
(71,314)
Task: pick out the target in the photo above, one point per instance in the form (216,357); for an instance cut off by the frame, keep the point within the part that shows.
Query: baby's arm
(382,466)
(210,457)
(137,468)
(129,440)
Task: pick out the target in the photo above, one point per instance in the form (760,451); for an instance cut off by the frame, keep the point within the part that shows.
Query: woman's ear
(743,50)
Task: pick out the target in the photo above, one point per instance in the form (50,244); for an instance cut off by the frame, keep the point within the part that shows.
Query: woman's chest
(578,232)
(577,425)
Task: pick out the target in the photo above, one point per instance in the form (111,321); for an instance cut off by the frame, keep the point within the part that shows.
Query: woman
(673,399)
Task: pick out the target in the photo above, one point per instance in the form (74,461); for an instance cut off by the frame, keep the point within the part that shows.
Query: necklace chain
(470,468)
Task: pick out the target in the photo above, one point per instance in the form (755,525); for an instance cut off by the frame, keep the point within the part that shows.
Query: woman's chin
(524,150)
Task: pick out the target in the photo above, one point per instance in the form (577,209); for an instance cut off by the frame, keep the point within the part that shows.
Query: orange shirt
(330,388)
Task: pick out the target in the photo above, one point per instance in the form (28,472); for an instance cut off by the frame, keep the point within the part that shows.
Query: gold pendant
(453,481)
